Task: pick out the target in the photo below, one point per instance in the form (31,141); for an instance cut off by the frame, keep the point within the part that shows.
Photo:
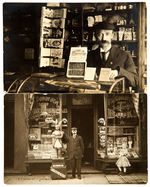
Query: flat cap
(104,25)
(74,128)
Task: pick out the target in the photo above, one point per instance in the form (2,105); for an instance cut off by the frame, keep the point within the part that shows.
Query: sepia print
(43,42)
(75,102)
(110,144)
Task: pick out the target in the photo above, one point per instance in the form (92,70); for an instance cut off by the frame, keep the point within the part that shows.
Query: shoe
(120,173)
(124,173)
(79,177)
(72,177)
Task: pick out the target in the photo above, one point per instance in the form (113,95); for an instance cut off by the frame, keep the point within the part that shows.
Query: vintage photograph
(39,39)
(75,93)
(75,138)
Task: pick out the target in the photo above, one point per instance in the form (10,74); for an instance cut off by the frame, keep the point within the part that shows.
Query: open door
(82,118)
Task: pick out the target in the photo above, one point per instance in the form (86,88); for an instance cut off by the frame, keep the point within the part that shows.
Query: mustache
(102,42)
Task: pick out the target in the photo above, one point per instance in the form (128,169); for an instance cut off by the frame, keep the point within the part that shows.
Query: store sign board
(82,99)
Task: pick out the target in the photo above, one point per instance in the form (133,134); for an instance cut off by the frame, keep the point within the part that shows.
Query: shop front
(105,122)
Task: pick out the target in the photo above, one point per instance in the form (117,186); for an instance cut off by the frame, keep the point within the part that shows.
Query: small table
(29,162)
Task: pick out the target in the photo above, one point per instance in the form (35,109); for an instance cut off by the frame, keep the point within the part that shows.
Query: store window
(120,127)
(45,115)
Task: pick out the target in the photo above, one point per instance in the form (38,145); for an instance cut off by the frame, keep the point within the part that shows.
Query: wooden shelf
(117,26)
(121,126)
(124,41)
(115,42)
(121,134)
(103,12)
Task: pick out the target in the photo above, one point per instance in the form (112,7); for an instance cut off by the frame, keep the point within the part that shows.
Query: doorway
(82,118)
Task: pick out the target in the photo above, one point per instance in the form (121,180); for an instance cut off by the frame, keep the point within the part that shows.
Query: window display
(121,129)
(46,120)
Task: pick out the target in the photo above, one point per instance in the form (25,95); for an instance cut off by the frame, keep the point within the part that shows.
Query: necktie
(103,56)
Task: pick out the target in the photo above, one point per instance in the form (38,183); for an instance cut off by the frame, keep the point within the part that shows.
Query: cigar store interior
(46,46)
(105,121)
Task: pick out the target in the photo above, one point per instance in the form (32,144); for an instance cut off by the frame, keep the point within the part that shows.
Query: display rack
(52,37)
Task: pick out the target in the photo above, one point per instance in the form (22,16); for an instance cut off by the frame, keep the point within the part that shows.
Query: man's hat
(104,25)
(74,128)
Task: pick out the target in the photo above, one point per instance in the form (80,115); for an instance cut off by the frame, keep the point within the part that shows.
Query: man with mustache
(108,56)
(76,151)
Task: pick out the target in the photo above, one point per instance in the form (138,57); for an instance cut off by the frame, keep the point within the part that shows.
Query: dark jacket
(117,59)
(75,147)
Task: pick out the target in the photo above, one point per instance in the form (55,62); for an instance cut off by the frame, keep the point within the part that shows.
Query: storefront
(34,118)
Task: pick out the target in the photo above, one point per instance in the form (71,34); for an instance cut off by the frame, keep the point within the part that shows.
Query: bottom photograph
(75,139)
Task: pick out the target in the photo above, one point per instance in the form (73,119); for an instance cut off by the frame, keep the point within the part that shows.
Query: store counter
(55,83)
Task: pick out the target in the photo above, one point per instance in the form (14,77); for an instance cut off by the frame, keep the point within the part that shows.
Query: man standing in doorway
(76,151)
(105,55)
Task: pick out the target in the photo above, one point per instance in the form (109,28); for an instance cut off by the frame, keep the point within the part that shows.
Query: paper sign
(78,54)
(106,74)
(89,73)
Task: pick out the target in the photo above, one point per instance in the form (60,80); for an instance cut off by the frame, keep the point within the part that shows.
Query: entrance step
(87,170)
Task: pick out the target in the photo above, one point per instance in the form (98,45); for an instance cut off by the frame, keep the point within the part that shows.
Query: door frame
(71,107)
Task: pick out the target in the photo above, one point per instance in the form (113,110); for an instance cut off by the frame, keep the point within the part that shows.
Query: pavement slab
(86,179)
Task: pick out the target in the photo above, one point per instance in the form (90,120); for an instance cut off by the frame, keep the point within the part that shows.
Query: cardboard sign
(78,54)
(105,74)
(89,73)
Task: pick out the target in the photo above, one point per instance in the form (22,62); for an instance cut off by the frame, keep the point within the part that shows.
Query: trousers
(76,165)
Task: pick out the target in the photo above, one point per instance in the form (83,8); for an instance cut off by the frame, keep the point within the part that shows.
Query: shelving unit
(126,26)
(52,32)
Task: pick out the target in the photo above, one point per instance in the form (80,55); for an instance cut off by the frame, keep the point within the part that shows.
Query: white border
(1,69)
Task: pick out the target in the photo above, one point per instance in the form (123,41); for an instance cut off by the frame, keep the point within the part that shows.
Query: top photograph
(75,47)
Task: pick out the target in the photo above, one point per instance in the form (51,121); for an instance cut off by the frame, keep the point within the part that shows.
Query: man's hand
(114,73)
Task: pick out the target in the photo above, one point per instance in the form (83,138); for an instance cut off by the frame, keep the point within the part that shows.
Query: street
(138,178)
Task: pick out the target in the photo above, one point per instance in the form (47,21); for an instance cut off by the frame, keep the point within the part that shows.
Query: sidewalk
(138,178)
